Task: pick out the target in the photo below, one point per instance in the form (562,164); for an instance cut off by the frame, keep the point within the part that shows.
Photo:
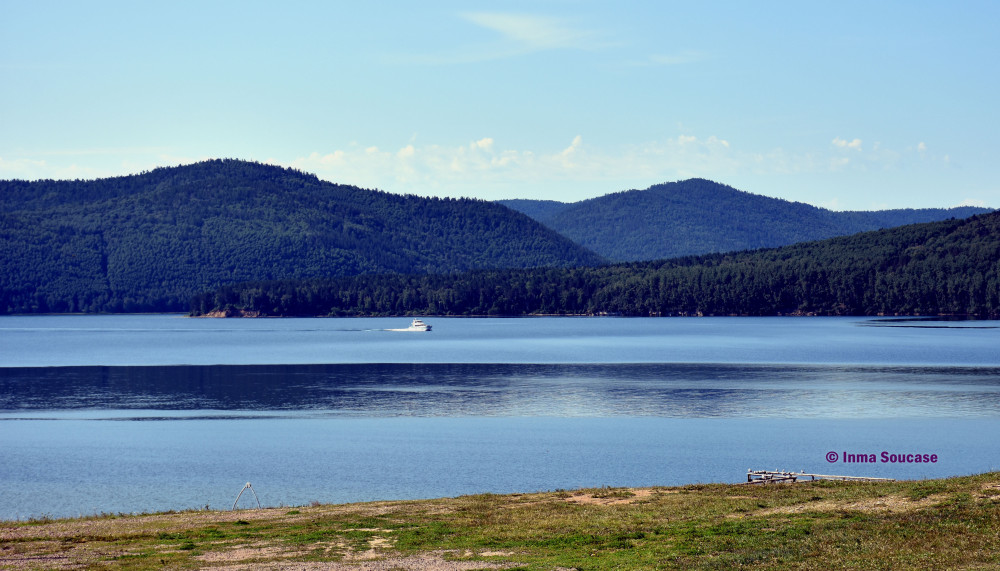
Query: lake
(132,413)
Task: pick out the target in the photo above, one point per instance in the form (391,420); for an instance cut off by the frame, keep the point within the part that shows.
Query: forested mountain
(148,242)
(541,210)
(698,216)
(950,267)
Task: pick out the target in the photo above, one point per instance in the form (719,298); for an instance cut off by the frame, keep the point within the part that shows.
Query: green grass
(945,524)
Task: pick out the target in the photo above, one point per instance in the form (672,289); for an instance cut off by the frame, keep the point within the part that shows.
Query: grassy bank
(932,524)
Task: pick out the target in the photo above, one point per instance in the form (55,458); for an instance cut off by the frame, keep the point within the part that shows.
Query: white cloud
(921,147)
(21,168)
(430,169)
(483,168)
(485,144)
(573,150)
(332,158)
(532,33)
(100,163)
(845,144)
(519,35)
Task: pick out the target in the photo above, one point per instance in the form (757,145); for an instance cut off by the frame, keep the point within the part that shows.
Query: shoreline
(937,523)
(853,479)
(240,313)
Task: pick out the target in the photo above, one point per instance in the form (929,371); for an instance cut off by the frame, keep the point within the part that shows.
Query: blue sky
(847,105)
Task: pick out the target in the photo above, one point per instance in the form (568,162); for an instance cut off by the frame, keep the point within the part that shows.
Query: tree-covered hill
(698,216)
(148,242)
(541,210)
(947,267)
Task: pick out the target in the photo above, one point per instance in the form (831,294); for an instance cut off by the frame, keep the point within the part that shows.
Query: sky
(847,105)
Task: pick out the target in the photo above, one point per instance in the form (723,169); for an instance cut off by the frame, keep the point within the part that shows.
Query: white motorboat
(416,325)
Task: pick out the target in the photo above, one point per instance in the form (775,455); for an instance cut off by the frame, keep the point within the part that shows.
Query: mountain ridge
(148,242)
(698,216)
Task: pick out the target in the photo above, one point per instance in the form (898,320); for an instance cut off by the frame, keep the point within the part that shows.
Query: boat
(416,325)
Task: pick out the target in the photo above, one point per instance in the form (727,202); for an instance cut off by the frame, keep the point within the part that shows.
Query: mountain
(699,216)
(541,210)
(148,242)
(946,267)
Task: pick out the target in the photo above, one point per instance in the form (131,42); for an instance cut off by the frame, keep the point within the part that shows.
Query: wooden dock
(779,476)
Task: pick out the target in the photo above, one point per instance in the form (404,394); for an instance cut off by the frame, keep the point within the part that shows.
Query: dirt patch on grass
(898,504)
(431,561)
(611,497)
(47,557)
(989,491)
(248,553)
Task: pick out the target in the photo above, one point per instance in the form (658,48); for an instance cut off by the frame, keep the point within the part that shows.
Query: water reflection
(463,390)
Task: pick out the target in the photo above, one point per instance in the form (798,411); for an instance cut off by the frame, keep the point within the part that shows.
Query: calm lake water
(131,413)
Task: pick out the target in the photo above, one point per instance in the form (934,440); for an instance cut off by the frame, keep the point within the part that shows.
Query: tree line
(948,267)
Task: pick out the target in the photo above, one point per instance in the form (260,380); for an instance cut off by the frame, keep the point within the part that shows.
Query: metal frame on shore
(779,476)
